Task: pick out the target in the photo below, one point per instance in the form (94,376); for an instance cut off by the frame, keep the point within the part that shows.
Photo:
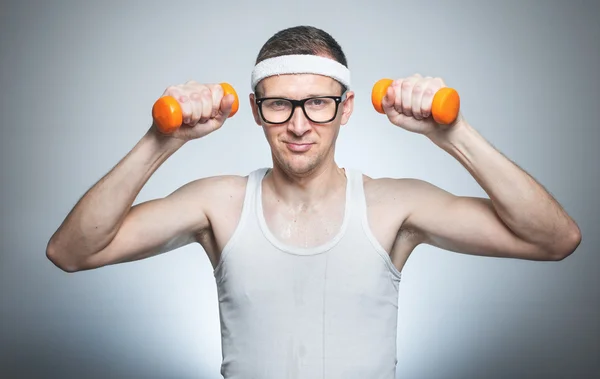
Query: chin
(298,165)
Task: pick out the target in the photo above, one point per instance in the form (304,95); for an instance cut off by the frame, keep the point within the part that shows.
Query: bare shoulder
(213,191)
(391,199)
(222,200)
(216,182)
(408,197)
(395,192)
(220,186)
(390,202)
(405,196)
(226,194)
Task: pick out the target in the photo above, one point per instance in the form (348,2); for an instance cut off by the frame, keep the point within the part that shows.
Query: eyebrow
(308,95)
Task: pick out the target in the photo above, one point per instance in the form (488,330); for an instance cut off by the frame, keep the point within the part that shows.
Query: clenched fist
(408,101)
(204,108)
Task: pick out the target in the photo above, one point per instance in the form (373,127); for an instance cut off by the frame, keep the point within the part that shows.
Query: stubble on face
(300,130)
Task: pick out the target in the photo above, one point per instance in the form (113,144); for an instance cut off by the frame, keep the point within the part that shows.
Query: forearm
(526,208)
(95,219)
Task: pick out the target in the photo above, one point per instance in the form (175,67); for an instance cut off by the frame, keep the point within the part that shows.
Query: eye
(319,103)
(276,104)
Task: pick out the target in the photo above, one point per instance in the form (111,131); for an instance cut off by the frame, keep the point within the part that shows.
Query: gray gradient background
(77,84)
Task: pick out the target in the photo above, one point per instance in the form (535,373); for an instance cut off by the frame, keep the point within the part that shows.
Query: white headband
(300,64)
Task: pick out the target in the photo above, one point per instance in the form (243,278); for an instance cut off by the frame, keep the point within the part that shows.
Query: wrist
(453,136)
(161,143)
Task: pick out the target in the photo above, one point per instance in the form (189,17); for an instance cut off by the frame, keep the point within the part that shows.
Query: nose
(298,123)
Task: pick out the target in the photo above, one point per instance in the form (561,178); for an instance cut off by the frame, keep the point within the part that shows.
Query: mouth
(298,147)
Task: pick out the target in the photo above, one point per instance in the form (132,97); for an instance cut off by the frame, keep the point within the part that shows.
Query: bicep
(155,227)
(468,225)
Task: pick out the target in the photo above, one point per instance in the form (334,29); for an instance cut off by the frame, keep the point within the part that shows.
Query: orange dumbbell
(444,108)
(167,114)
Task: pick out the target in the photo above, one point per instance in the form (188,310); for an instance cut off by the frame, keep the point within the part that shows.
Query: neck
(312,188)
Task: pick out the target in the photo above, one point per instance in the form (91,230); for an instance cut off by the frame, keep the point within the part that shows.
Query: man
(307,255)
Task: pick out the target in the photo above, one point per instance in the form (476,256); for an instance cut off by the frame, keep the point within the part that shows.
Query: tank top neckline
(297,250)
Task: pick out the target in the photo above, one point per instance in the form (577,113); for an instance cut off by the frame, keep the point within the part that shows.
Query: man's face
(299,146)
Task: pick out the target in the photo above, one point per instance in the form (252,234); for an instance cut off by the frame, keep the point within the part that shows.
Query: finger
(217,95)
(178,94)
(388,101)
(407,86)
(173,91)
(206,109)
(397,87)
(432,87)
(417,97)
(186,107)
(225,108)
(196,104)
(188,102)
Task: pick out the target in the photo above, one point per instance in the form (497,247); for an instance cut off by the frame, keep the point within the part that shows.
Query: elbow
(567,245)
(59,259)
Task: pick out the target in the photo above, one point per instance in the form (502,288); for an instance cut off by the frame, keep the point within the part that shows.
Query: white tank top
(325,312)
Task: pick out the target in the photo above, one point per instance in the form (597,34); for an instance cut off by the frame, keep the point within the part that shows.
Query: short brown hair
(302,39)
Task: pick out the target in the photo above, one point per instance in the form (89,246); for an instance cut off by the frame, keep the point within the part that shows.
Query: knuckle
(217,89)
(205,92)
(183,98)
(171,90)
(207,108)
(195,96)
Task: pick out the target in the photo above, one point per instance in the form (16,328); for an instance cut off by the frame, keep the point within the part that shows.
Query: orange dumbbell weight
(167,114)
(444,108)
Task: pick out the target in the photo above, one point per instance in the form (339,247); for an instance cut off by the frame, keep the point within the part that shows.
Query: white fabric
(300,64)
(324,312)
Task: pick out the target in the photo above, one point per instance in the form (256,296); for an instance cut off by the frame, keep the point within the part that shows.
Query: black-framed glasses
(318,109)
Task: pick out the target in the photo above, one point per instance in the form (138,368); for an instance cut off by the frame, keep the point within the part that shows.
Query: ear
(347,107)
(254,108)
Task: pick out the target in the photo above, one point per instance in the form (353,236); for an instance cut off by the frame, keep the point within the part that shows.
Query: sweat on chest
(343,277)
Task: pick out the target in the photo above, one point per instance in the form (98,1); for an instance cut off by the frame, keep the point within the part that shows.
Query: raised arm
(474,225)
(104,228)
(520,219)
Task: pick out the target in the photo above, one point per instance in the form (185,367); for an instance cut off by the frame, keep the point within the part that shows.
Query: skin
(304,193)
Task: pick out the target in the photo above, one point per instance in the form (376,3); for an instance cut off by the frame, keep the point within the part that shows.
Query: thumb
(225,108)
(387,103)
